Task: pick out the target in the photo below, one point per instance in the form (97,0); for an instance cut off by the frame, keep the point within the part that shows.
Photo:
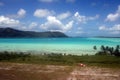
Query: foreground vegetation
(106,50)
(61,59)
(57,66)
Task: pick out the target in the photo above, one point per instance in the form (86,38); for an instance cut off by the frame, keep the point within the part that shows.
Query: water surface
(56,45)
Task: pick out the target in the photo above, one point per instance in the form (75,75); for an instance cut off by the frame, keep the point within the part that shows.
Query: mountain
(13,33)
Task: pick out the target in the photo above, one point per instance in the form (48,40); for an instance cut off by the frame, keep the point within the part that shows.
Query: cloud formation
(53,24)
(115,16)
(21,13)
(33,25)
(7,22)
(114,29)
(40,13)
(63,15)
(84,19)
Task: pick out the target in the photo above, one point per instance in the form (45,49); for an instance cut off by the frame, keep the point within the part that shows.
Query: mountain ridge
(14,33)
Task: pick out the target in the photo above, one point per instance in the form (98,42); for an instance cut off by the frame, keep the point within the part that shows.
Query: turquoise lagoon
(56,45)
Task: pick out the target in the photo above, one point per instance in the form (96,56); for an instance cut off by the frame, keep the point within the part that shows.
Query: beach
(21,71)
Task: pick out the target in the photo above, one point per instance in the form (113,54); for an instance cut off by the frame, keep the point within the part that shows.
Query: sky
(72,17)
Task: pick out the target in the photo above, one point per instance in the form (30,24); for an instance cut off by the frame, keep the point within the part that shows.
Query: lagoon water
(56,45)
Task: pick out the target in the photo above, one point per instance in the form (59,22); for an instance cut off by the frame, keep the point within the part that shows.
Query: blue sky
(73,17)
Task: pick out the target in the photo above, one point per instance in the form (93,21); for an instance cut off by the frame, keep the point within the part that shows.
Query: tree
(117,51)
(94,47)
(103,49)
(106,50)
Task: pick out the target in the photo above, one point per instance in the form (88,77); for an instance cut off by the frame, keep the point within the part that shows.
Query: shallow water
(57,45)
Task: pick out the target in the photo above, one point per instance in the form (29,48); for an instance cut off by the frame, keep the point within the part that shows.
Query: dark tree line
(106,50)
(13,55)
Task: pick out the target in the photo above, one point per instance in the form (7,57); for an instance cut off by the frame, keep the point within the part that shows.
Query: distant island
(106,37)
(14,33)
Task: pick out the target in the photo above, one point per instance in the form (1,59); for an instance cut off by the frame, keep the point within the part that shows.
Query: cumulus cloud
(102,28)
(115,16)
(64,15)
(114,29)
(7,22)
(43,13)
(84,19)
(53,24)
(21,13)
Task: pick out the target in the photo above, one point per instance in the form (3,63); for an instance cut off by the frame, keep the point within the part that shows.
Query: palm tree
(94,47)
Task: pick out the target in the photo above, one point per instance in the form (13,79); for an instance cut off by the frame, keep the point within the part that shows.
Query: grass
(59,59)
(55,66)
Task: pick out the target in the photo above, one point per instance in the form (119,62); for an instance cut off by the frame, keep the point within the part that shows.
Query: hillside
(13,33)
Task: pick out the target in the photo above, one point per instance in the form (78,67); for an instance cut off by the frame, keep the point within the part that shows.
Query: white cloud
(43,13)
(114,29)
(84,19)
(29,27)
(64,15)
(53,24)
(102,28)
(80,18)
(33,25)
(68,25)
(7,22)
(48,1)
(93,18)
(115,16)
(21,13)
(1,4)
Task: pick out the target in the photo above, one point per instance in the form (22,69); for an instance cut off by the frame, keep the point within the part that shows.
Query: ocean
(56,45)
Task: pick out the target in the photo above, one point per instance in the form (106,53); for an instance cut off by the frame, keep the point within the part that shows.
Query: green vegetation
(13,55)
(61,59)
(106,50)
